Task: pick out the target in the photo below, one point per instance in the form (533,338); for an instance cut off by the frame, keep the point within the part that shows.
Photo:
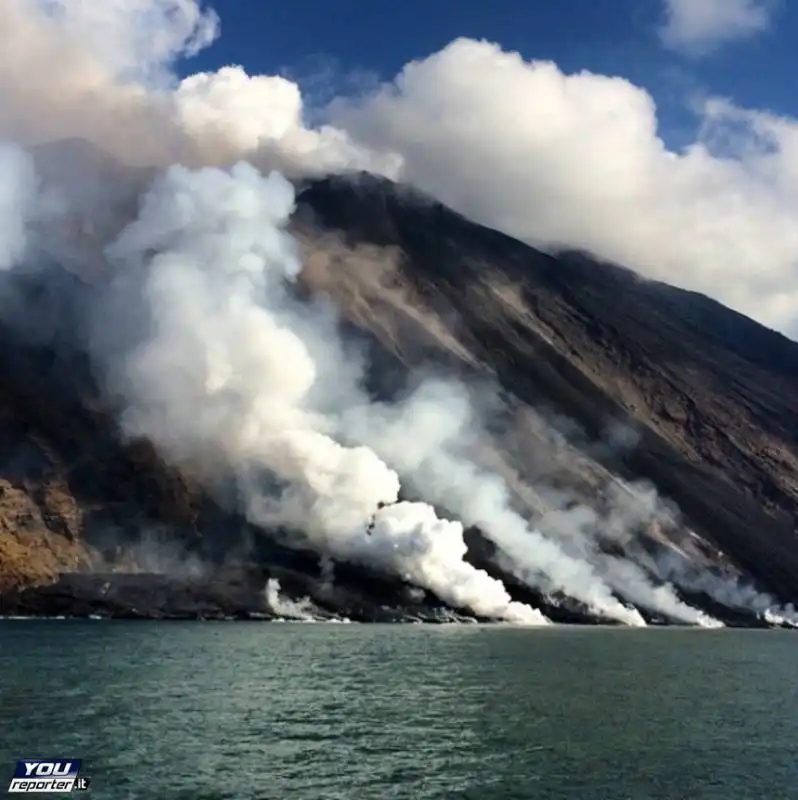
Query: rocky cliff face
(604,376)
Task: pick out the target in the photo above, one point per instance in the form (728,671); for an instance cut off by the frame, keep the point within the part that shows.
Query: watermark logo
(48,776)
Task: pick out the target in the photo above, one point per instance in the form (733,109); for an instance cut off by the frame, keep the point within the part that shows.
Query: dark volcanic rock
(135,596)
(226,594)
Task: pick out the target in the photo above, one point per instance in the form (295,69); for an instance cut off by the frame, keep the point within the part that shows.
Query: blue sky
(323,44)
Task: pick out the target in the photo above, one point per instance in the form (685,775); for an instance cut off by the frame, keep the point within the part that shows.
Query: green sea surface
(255,711)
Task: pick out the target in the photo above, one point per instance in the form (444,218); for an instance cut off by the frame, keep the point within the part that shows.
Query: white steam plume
(578,528)
(227,381)
(428,440)
(632,581)
(726,589)
(424,439)
(18,201)
(628,511)
(101,71)
(134,39)
(286,608)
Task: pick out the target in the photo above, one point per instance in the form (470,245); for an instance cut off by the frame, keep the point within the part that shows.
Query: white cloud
(551,158)
(698,27)
(576,160)
(100,71)
(135,38)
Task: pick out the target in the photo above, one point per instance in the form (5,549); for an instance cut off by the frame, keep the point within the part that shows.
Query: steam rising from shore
(425,438)
(227,379)
(284,607)
(429,439)
(727,589)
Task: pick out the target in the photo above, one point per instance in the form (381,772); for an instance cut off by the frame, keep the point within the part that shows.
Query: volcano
(606,383)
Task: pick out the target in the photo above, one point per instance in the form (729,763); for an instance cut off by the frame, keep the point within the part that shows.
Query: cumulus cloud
(576,160)
(556,159)
(101,72)
(697,27)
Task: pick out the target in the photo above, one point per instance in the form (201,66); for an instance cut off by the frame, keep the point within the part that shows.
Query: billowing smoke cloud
(629,511)
(628,578)
(431,440)
(580,527)
(134,39)
(228,377)
(25,208)
(100,72)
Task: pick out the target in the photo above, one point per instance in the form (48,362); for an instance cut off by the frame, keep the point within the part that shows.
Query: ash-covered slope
(605,380)
(711,393)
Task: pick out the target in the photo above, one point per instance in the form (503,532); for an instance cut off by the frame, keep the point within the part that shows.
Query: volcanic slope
(710,394)
(607,380)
